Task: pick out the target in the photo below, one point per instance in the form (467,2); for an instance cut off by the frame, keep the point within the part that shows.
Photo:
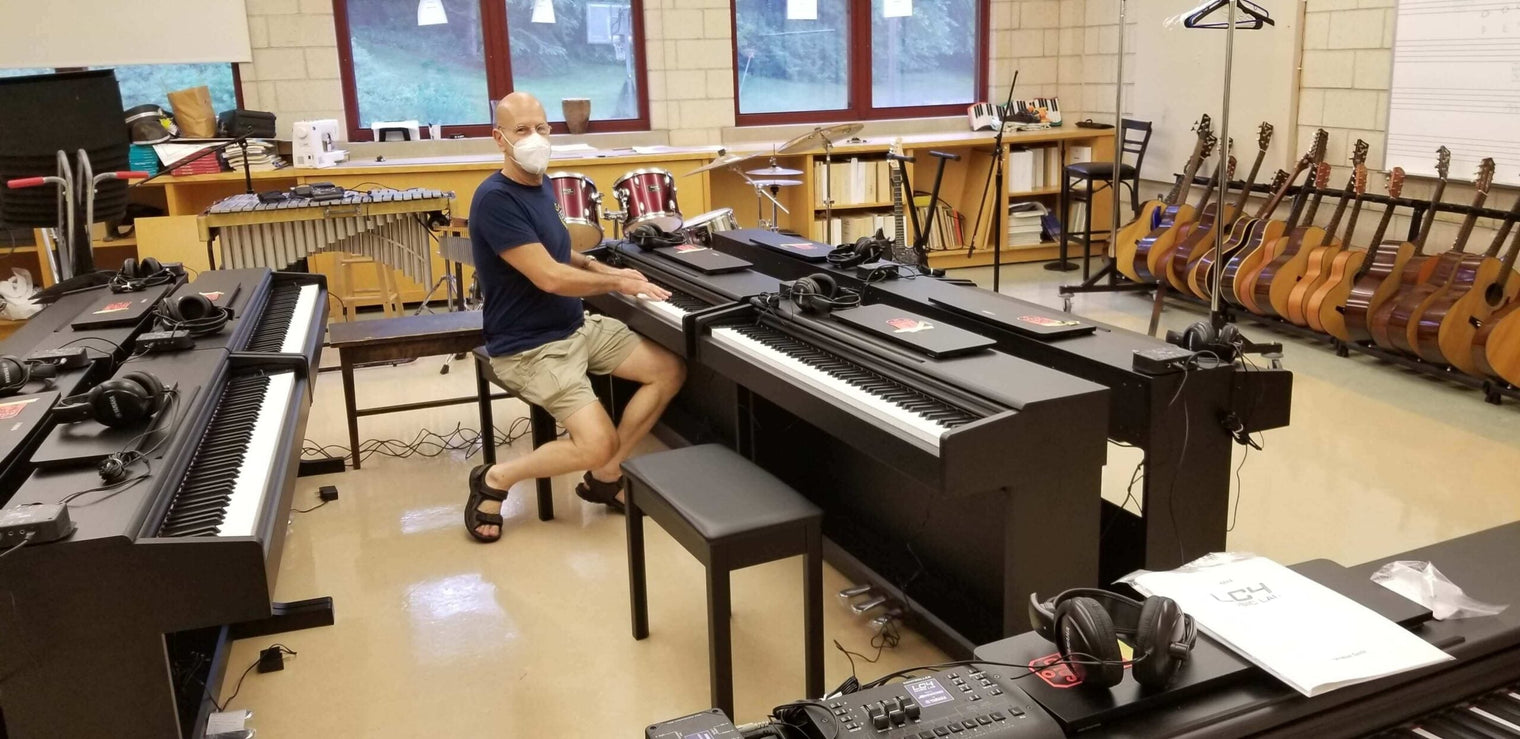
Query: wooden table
(413,337)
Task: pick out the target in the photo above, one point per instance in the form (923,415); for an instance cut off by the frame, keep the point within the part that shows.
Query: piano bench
(729,514)
(541,423)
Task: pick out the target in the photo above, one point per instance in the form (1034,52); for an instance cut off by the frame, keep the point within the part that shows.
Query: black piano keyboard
(269,334)
(865,379)
(200,503)
(1495,714)
(685,301)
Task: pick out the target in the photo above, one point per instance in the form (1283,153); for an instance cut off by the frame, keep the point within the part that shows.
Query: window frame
(499,80)
(237,80)
(858,106)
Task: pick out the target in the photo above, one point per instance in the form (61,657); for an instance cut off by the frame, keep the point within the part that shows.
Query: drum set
(648,196)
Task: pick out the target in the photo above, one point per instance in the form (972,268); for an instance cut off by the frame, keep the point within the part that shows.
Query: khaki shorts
(553,376)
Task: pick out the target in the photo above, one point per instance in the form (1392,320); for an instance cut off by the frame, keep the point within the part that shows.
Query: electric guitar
(1242,272)
(1194,258)
(1349,265)
(1310,292)
(1386,262)
(900,251)
(1177,211)
(1400,316)
(1496,347)
(1447,327)
(1276,280)
(1316,258)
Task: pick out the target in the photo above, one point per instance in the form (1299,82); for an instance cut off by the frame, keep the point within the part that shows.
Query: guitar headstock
(1280,180)
(1231,174)
(1485,175)
(1361,180)
(1209,142)
(1443,162)
(1396,182)
(1204,126)
(1321,175)
(1264,136)
(1321,143)
(896,147)
(1359,153)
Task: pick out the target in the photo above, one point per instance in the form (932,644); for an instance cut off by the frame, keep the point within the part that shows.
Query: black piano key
(274,323)
(1477,724)
(1503,707)
(1444,727)
(200,502)
(1507,726)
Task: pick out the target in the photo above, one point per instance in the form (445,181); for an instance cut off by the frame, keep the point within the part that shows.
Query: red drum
(648,196)
(579,206)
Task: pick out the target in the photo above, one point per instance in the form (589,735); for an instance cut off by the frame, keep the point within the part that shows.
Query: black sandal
(480,492)
(593,490)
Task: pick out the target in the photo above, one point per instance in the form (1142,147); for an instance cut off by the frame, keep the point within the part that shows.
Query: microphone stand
(1000,198)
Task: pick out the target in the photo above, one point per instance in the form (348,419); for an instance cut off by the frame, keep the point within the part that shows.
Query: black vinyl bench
(729,514)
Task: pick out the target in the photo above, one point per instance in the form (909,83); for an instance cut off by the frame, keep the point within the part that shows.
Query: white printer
(315,144)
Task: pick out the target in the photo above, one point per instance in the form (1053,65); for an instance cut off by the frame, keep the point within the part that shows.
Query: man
(542,344)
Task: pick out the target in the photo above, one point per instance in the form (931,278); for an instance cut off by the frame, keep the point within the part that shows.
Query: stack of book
(854,182)
(262,157)
(1034,168)
(1025,226)
(948,231)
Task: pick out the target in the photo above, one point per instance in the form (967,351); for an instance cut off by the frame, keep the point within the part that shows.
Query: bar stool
(729,514)
(1083,175)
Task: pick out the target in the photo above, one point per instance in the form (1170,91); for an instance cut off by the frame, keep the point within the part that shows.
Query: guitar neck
(1340,208)
(1460,245)
(1270,206)
(1503,234)
(1185,185)
(1356,214)
(1430,217)
(1245,192)
(1382,229)
(1319,196)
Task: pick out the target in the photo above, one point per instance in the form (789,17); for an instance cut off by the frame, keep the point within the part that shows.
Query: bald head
(520,108)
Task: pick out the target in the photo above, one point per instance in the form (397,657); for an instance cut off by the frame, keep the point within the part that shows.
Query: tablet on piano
(1022,318)
(702,259)
(120,309)
(792,245)
(914,331)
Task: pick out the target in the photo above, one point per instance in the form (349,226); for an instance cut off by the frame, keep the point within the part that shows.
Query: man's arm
(533,260)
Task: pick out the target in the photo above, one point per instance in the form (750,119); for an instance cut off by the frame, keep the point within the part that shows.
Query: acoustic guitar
(1165,250)
(1380,274)
(1399,318)
(1496,347)
(1275,282)
(1310,291)
(1316,259)
(1177,212)
(1253,254)
(1257,297)
(1348,266)
(1190,252)
(1246,232)
(1446,329)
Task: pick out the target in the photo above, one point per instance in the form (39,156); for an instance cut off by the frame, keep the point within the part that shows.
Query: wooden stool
(352,297)
(729,514)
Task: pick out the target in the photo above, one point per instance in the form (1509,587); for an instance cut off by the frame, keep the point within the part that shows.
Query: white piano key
(879,408)
(1491,717)
(663,308)
(300,320)
(251,485)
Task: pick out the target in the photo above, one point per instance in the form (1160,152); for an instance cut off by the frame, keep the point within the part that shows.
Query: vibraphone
(390,226)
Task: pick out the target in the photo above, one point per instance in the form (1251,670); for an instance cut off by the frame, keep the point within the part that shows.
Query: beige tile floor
(439,636)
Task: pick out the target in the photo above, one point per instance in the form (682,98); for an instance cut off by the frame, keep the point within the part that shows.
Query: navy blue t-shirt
(518,316)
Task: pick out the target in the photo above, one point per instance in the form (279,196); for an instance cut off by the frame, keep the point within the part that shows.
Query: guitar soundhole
(1494,294)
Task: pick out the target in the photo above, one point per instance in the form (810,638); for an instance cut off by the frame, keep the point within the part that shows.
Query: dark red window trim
(859,107)
(498,60)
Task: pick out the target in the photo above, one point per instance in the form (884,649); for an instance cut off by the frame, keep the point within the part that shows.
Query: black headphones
(16,372)
(1085,625)
(192,312)
(1201,337)
(650,236)
(135,275)
(865,249)
(120,402)
(821,294)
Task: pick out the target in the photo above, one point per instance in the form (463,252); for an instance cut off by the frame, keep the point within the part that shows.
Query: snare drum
(648,196)
(579,206)
(699,230)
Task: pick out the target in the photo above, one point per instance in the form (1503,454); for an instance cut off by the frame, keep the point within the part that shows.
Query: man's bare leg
(592,442)
(660,374)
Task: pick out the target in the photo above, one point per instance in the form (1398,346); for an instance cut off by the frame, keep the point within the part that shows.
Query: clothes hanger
(1255,16)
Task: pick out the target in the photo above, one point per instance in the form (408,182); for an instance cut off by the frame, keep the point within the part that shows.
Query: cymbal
(774,171)
(722,161)
(816,137)
(777,183)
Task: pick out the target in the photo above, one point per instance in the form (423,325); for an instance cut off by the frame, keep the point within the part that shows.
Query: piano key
(892,412)
(1507,724)
(1479,726)
(1444,727)
(300,324)
(251,485)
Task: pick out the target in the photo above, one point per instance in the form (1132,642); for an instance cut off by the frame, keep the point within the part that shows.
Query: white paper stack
(1305,634)
(1020,171)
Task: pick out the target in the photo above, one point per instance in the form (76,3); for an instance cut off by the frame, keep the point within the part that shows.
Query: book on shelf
(854,181)
(1033,169)
(948,231)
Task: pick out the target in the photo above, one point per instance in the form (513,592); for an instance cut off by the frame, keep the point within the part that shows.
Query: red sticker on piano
(213,296)
(808,245)
(1055,672)
(908,325)
(687,248)
(115,307)
(14,408)
(1046,321)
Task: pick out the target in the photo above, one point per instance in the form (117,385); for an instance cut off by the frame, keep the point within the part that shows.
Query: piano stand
(323,466)
(293,616)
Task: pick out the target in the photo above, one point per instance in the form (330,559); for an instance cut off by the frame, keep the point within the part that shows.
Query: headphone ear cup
(1085,633)
(1230,334)
(1160,624)
(152,386)
(149,267)
(75,408)
(191,307)
(13,374)
(129,268)
(1198,336)
(119,403)
(826,285)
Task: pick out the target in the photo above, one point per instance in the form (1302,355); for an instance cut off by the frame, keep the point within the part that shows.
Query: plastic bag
(17,296)
(193,112)
(1422,583)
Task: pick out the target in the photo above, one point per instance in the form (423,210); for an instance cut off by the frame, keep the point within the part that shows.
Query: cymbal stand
(760,197)
(828,181)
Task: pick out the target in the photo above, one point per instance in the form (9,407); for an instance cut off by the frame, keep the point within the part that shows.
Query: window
(793,63)
(472,52)
(151,83)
